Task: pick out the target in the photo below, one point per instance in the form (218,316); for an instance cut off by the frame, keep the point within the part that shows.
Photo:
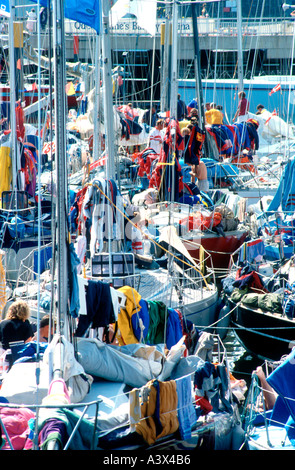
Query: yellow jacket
(125,333)
(167,412)
(214,116)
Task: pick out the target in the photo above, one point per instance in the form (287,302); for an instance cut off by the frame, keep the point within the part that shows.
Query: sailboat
(103,414)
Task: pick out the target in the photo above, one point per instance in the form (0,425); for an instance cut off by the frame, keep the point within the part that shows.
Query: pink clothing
(16,421)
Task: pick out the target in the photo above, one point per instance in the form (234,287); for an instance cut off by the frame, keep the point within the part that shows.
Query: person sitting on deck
(44,330)
(16,325)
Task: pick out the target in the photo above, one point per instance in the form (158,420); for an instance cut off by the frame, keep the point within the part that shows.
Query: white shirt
(156,140)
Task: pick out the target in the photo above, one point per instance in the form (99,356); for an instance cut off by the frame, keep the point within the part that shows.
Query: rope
(253,330)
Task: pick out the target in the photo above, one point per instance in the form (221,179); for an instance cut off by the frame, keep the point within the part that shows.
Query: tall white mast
(108,101)
(240,46)
(61,163)
(174,83)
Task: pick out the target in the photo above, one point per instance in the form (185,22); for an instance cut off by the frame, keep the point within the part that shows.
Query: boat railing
(60,407)
(82,411)
(255,410)
(28,272)
(236,256)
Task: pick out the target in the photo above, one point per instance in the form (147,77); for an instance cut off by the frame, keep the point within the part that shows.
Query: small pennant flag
(274,113)
(275,89)
(19,64)
(164,114)
(70,89)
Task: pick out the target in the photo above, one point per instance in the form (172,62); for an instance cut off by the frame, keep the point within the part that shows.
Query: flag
(76,45)
(164,114)
(34,87)
(143,10)
(19,64)
(70,89)
(4,8)
(86,11)
(275,89)
(274,113)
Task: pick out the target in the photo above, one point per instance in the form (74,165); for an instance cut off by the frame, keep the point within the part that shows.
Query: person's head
(185,131)
(160,123)
(207,106)
(44,322)
(219,107)
(194,113)
(130,105)
(18,310)
(213,105)
(44,326)
(259,108)
(178,96)
(241,94)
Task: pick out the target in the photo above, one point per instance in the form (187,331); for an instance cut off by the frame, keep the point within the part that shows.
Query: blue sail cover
(285,195)
(87,12)
(282,381)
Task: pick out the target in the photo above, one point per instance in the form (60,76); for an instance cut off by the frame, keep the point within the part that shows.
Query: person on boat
(156,137)
(214,116)
(242,112)
(185,132)
(44,330)
(260,108)
(130,112)
(193,114)
(181,108)
(150,119)
(32,18)
(200,172)
(269,394)
(16,325)
(192,104)
(120,86)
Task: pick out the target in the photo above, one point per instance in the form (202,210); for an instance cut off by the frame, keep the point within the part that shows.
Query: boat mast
(173,97)
(108,91)
(60,165)
(240,46)
(96,138)
(166,39)
(12,96)
(199,90)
